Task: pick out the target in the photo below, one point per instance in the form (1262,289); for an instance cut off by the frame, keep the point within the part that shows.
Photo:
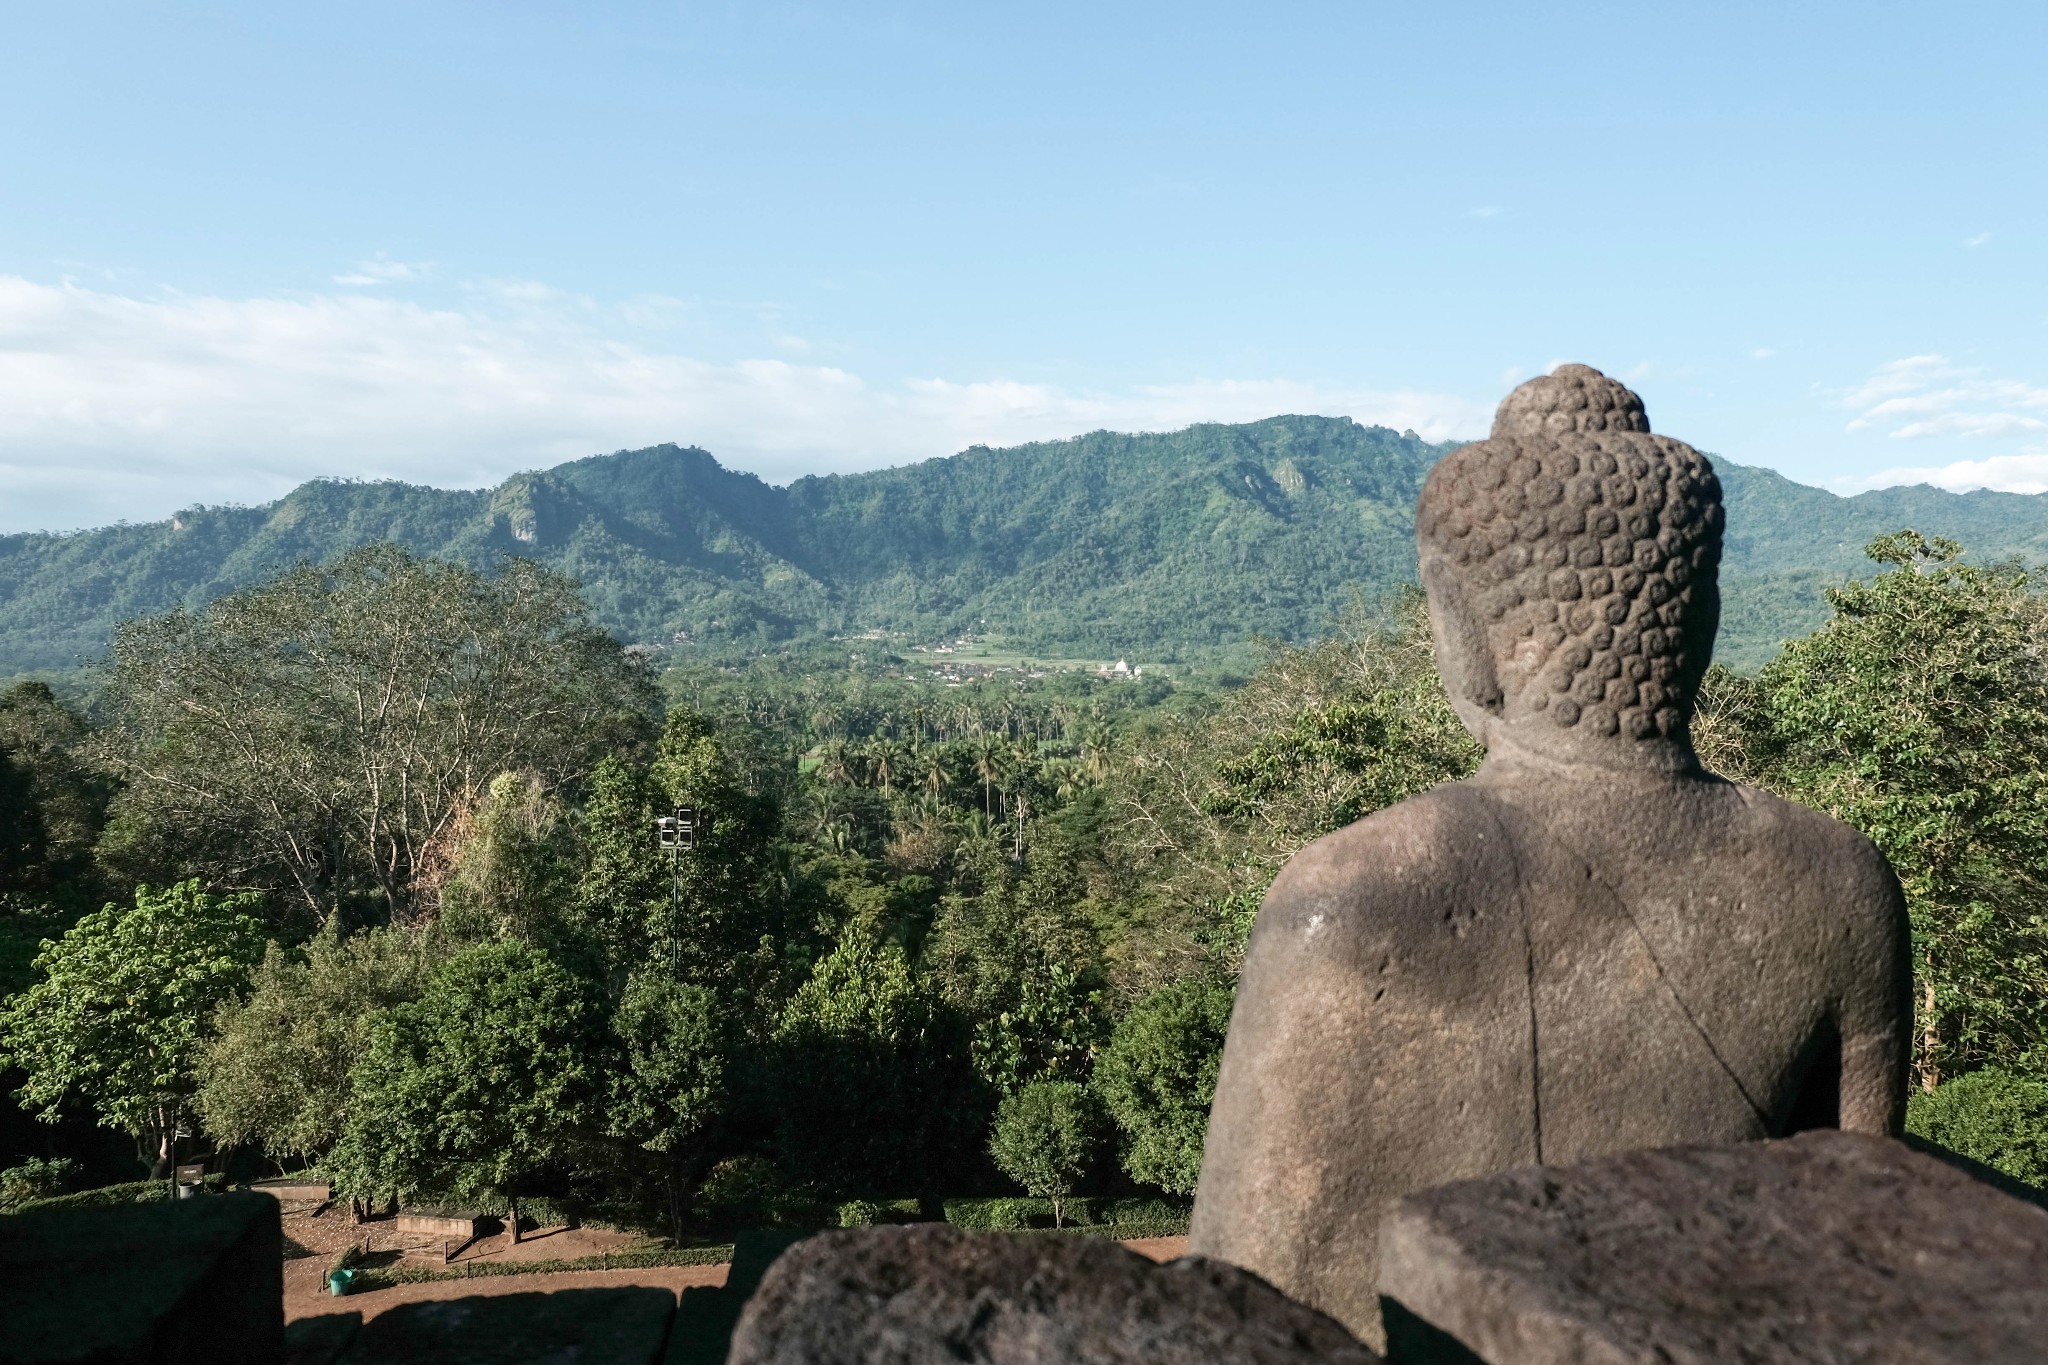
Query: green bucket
(338,1281)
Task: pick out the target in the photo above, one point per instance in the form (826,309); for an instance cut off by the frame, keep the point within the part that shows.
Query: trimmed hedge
(1121,1218)
(112,1196)
(1993,1116)
(862,1213)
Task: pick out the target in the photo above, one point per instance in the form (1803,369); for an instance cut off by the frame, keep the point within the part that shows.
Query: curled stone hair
(1585,552)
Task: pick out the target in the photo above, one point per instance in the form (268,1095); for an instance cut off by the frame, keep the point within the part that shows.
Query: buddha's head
(1571,561)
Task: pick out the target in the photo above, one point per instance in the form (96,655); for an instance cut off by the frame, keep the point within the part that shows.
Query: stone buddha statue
(1590,945)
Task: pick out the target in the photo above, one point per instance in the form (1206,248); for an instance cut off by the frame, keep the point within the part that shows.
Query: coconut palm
(885,763)
(987,757)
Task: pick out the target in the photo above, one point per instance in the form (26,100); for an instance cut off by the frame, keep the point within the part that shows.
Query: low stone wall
(462,1227)
(178,1282)
(1825,1247)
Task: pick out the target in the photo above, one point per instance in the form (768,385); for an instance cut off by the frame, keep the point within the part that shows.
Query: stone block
(194,1280)
(930,1294)
(1826,1248)
(315,1191)
(320,1339)
(568,1327)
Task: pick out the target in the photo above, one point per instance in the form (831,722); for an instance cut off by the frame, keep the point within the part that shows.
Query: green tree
(673,1091)
(1209,802)
(491,1076)
(320,735)
(52,801)
(871,1090)
(716,921)
(1992,1116)
(52,806)
(1919,714)
(119,1010)
(1019,956)
(623,880)
(512,870)
(1158,1075)
(1044,1138)
(275,1071)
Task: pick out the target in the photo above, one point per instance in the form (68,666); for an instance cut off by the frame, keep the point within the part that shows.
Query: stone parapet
(1827,1247)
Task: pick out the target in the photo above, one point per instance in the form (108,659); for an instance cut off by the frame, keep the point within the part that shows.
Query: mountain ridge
(1170,545)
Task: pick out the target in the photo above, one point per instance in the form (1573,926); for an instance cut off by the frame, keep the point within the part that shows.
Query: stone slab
(192,1280)
(319,1191)
(437,1225)
(1827,1247)
(929,1294)
(568,1327)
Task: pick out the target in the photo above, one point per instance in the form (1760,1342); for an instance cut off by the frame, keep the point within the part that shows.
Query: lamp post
(676,835)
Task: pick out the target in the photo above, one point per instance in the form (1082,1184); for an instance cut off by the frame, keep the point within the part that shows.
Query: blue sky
(244,245)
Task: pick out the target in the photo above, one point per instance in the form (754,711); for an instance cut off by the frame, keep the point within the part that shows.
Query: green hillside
(1164,545)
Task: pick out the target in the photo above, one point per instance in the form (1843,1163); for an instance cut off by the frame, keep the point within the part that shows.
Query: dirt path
(1159,1248)
(305,1278)
(305,1296)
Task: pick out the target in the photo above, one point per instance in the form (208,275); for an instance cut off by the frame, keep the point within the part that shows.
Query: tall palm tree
(988,755)
(928,766)
(837,766)
(1095,752)
(885,763)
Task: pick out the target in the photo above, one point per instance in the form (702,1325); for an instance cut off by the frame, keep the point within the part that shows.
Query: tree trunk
(166,1159)
(1930,1039)
(678,1210)
(512,1220)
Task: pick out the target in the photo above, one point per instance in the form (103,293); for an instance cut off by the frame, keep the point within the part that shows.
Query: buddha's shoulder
(1409,862)
(1816,844)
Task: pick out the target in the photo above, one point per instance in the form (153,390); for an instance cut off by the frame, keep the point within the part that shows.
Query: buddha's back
(1589,946)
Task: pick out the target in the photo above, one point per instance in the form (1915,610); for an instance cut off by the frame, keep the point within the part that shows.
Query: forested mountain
(1160,545)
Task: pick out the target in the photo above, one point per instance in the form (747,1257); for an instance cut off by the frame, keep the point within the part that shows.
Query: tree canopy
(317,736)
(122,1003)
(1919,714)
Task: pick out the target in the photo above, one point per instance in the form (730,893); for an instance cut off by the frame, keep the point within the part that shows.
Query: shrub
(1158,1075)
(861,1213)
(747,1191)
(1044,1136)
(1992,1116)
(107,1196)
(37,1178)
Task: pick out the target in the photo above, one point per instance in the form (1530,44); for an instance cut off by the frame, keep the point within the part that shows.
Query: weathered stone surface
(568,1327)
(320,1339)
(935,1295)
(1590,946)
(189,1280)
(1827,1247)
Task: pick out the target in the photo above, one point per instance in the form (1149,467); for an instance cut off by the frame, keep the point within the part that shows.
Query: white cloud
(1930,396)
(113,405)
(1484,211)
(1763,353)
(380,269)
(1977,241)
(2025,472)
